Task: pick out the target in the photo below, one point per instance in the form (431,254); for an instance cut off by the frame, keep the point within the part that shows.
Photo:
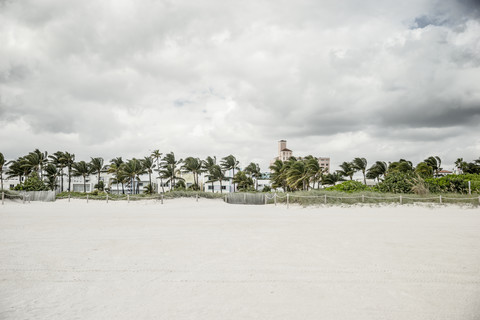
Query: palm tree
(148,166)
(82,169)
(208,165)
(35,161)
(333,178)
(169,172)
(157,155)
(68,159)
(347,170)
(253,169)
(17,169)
(59,161)
(400,166)
(116,169)
(230,163)
(195,166)
(96,166)
(170,164)
(298,176)
(132,169)
(360,164)
(378,169)
(316,171)
(434,162)
(2,162)
(216,173)
(243,181)
(52,173)
(277,177)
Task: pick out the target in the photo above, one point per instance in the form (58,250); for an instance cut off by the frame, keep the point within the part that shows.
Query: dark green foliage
(348,186)
(454,183)
(397,182)
(33,183)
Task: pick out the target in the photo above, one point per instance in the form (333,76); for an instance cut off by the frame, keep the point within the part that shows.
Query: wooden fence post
(3,197)
(325,199)
(275,199)
(107,197)
(87,198)
(400,199)
(287,200)
(440,199)
(363,198)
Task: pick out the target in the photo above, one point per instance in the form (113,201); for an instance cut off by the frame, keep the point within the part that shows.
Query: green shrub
(397,182)
(33,183)
(454,183)
(348,186)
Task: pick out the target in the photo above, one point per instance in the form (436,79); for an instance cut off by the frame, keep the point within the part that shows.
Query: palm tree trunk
(161,182)
(123,189)
(69,178)
(61,180)
(221,191)
(213,187)
(84,185)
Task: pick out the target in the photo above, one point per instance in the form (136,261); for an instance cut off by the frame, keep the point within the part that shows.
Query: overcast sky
(380,79)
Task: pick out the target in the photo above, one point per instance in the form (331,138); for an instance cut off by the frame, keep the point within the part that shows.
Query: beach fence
(45,196)
(331,199)
(245,198)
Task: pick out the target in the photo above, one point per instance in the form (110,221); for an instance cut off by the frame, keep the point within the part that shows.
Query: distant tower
(282,144)
(283,152)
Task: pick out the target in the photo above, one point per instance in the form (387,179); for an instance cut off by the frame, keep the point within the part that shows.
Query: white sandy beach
(211,260)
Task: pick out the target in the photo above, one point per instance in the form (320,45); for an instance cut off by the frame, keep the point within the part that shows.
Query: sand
(211,260)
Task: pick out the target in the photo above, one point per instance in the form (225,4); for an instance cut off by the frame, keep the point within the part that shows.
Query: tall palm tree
(360,164)
(35,161)
(52,173)
(169,172)
(59,161)
(216,173)
(133,169)
(195,166)
(2,163)
(17,169)
(400,166)
(68,159)
(82,169)
(333,178)
(208,165)
(347,170)
(116,169)
(298,176)
(243,181)
(253,169)
(377,170)
(148,166)
(96,167)
(170,164)
(157,155)
(316,171)
(230,163)
(434,162)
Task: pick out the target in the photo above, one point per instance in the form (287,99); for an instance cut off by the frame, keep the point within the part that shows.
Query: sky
(378,79)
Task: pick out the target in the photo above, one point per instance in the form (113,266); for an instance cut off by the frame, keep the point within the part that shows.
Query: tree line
(305,173)
(43,171)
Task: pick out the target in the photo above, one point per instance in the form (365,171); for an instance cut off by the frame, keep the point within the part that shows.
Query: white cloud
(380,79)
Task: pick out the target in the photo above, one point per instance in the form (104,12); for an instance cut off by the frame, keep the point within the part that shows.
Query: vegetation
(42,171)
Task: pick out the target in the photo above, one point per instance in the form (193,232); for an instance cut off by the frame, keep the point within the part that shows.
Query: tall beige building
(284,154)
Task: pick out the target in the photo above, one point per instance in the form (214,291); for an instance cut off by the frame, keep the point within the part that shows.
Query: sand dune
(211,260)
